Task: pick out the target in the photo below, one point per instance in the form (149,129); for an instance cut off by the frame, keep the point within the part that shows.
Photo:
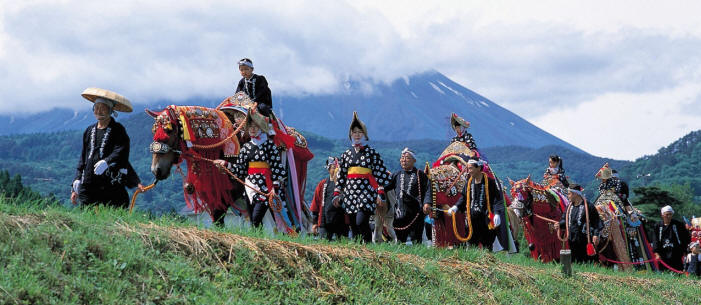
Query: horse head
(165,147)
(522,200)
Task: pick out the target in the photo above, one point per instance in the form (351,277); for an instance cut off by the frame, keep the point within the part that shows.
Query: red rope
(643,262)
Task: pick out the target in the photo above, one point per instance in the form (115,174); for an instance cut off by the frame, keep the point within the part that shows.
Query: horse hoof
(531,247)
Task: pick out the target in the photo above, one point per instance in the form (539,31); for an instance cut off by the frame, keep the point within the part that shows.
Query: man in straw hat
(104,169)
(670,239)
(582,222)
(255,86)
(361,180)
(260,165)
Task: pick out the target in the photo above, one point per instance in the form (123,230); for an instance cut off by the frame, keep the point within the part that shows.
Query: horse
(198,135)
(448,177)
(623,239)
(540,209)
(179,134)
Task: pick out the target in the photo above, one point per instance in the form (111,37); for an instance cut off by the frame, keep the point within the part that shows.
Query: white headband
(407,151)
(475,162)
(577,192)
(666,209)
(693,244)
(246,63)
(107,102)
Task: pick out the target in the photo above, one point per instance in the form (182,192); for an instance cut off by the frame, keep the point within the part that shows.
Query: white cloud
(531,57)
(628,125)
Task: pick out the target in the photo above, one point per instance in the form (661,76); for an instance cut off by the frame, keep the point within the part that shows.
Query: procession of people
(458,202)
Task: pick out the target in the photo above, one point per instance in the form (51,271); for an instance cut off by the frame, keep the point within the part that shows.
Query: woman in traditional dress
(260,165)
(361,179)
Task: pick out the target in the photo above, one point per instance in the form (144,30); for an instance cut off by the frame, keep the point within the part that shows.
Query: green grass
(54,255)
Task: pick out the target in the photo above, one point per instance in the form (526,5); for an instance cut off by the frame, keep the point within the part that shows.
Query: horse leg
(389,224)
(218,216)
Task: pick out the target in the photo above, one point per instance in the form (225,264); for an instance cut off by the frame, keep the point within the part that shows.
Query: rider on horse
(255,86)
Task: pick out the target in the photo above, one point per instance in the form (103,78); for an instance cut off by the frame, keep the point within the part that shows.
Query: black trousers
(337,227)
(257,212)
(109,195)
(414,231)
(360,225)
(481,234)
(579,252)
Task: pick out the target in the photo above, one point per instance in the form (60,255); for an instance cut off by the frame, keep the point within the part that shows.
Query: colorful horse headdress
(238,102)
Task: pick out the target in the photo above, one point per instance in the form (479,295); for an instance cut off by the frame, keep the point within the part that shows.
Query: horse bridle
(163,148)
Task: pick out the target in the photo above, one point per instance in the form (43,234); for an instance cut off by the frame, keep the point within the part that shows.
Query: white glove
(452,210)
(76,185)
(497,220)
(100,167)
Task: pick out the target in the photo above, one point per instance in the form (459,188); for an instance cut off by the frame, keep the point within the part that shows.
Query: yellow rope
(136,193)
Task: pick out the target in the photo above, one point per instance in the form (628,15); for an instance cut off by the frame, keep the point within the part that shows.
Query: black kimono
(260,163)
(481,234)
(467,139)
(617,186)
(692,264)
(112,145)
(411,191)
(670,243)
(360,177)
(324,214)
(578,229)
(257,89)
(559,176)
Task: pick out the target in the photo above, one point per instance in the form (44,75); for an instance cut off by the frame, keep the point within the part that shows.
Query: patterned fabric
(466,138)
(410,192)
(265,152)
(206,126)
(358,193)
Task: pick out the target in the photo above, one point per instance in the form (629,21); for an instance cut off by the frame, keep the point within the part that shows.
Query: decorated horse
(540,209)
(623,239)
(448,177)
(199,135)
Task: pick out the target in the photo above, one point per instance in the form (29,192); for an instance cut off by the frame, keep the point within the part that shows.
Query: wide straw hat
(121,103)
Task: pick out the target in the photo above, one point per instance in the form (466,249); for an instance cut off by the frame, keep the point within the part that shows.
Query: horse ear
(528,179)
(153,114)
(511,181)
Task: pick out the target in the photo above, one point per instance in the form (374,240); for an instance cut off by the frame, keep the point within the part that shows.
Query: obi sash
(357,172)
(261,168)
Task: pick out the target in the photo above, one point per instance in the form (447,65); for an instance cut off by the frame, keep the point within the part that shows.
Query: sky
(619,79)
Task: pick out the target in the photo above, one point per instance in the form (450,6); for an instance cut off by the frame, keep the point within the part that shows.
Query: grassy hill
(677,163)
(102,256)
